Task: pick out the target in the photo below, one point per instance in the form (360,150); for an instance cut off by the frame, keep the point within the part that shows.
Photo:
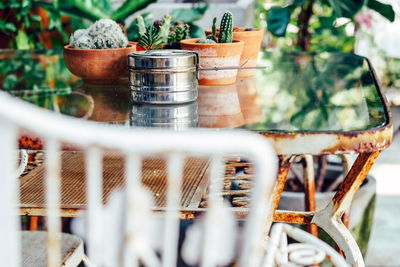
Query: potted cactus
(99,54)
(214,52)
(252,42)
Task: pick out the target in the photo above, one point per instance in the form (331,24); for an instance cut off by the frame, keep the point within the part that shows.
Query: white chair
(95,139)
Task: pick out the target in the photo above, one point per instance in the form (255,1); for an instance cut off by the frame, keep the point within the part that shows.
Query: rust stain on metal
(336,142)
(362,142)
(293,217)
(284,166)
(29,142)
(354,178)
(309,191)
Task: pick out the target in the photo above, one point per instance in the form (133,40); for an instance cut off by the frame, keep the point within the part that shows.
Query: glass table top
(295,93)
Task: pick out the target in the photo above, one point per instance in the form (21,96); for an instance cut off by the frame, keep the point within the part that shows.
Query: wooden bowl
(98,66)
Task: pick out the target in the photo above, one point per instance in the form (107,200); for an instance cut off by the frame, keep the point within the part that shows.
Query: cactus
(164,28)
(205,41)
(226,28)
(103,34)
(214,32)
(180,32)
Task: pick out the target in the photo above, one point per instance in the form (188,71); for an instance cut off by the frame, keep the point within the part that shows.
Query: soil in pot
(216,55)
(361,212)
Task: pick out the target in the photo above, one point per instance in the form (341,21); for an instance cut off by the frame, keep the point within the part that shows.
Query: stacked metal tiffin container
(163,86)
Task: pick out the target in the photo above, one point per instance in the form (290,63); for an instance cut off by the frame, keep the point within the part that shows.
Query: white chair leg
(340,234)
(23,163)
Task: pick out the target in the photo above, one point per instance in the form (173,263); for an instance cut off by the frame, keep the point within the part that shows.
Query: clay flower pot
(98,66)
(252,43)
(216,55)
(219,107)
(249,100)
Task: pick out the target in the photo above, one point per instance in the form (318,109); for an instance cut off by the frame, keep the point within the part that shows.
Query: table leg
(309,190)
(330,218)
(33,223)
(284,167)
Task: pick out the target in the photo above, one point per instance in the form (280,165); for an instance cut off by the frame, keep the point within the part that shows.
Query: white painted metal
(23,163)
(94,192)
(310,251)
(175,173)
(9,223)
(53,200)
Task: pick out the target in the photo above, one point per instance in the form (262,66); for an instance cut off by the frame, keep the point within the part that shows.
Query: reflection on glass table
(331,98)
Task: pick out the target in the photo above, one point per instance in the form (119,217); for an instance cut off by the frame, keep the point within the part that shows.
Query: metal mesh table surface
(73,181)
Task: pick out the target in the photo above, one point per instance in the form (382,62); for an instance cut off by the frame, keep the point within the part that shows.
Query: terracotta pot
(98,66)
(249,100)
(252,43)
(216,55)
(219,107)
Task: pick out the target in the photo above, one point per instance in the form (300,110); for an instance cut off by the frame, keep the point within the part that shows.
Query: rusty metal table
(305,104)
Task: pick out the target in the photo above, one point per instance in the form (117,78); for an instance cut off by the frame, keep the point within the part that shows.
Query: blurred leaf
(106,4)
(9,82)
(88,9)
(22,40)
(277,20)
(297,2)
(187,15)
(383,9)
(7,26)
(35,18)
(195,31)
(347,8)
(128,8)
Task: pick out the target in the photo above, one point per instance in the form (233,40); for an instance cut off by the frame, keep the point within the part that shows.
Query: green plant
(153,36)
(307,16)
(180,32)
(103,34)
(226,28)
(26,24)
(226,31)
(189,16)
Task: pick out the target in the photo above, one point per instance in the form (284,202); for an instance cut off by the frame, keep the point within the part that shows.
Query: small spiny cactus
(179,33)
(214,31)
(103,34)
(226,28)
(205,41)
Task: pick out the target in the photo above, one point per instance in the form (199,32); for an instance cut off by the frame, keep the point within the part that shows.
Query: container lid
(162,59)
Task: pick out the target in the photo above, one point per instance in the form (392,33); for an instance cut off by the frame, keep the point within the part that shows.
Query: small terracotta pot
(98,66)
(219,107)
(216,55)
(252,43)
(249,100)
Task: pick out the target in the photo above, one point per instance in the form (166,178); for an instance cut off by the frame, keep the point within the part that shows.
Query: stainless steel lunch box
(163,76)
(178,117)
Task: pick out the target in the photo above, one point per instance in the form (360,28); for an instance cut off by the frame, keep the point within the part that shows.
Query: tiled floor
(384,245)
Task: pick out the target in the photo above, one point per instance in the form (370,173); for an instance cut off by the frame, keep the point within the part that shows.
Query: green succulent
(181,32)
(153,36)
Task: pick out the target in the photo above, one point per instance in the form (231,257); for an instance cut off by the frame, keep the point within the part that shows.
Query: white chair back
(134,144)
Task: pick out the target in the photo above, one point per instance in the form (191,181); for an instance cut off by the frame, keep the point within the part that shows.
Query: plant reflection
(317,92)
